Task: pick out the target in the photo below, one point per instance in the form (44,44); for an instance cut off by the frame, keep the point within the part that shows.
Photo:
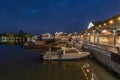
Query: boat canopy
(69,51)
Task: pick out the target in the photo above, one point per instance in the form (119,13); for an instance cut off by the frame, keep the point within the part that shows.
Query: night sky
(40,16)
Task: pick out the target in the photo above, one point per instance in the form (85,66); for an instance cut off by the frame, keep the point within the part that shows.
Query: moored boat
(65,54)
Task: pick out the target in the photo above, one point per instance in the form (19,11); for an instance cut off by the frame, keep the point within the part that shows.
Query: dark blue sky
(39,16)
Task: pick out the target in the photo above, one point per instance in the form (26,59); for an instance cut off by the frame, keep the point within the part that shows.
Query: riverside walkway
(106,55)
(104,47)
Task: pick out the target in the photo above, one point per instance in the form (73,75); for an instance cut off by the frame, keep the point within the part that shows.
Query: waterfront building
(4,39)
(64,37)
(58,35)
(46,36)
(103,40)
(104,32)
(34,38)
(75,39)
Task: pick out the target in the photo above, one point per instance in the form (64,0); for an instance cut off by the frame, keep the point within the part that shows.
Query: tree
(9,35)
(21,34)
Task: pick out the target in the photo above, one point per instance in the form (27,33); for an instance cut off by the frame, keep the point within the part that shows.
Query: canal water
(17,63)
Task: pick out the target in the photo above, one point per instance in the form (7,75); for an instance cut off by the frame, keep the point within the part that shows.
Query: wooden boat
(65,54)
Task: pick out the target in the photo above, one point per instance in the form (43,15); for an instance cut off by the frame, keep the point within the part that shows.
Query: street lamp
(99,25)
(104,24)
(119,18)
(111,21)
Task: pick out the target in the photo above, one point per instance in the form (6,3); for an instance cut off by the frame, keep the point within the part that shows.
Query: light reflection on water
(23,64)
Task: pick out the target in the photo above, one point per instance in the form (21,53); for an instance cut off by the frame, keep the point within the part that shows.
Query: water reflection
(13,43)
(73,71)
(63,70)
(25,64)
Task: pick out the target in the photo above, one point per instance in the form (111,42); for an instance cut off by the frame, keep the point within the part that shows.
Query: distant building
(58,34)
(34,38)
(4,39)
(46,36)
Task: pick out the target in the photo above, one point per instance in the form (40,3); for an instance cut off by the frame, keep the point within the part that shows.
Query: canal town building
(103,41)
(46,36)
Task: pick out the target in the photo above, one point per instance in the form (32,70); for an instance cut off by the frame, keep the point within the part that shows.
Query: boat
(65,54)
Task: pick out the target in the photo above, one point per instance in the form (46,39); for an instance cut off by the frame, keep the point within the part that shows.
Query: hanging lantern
(104,31)
(88,34)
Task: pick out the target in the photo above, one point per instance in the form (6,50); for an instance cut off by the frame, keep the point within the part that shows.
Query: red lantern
(104,31)
(88,34)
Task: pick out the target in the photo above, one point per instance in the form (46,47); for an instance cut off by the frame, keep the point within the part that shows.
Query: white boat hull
(66,57)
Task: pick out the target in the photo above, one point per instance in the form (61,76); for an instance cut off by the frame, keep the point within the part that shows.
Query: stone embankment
(107,57)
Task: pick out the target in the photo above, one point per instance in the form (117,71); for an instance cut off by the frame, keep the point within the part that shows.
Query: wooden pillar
(114,33)
(93,36)
(98,38)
